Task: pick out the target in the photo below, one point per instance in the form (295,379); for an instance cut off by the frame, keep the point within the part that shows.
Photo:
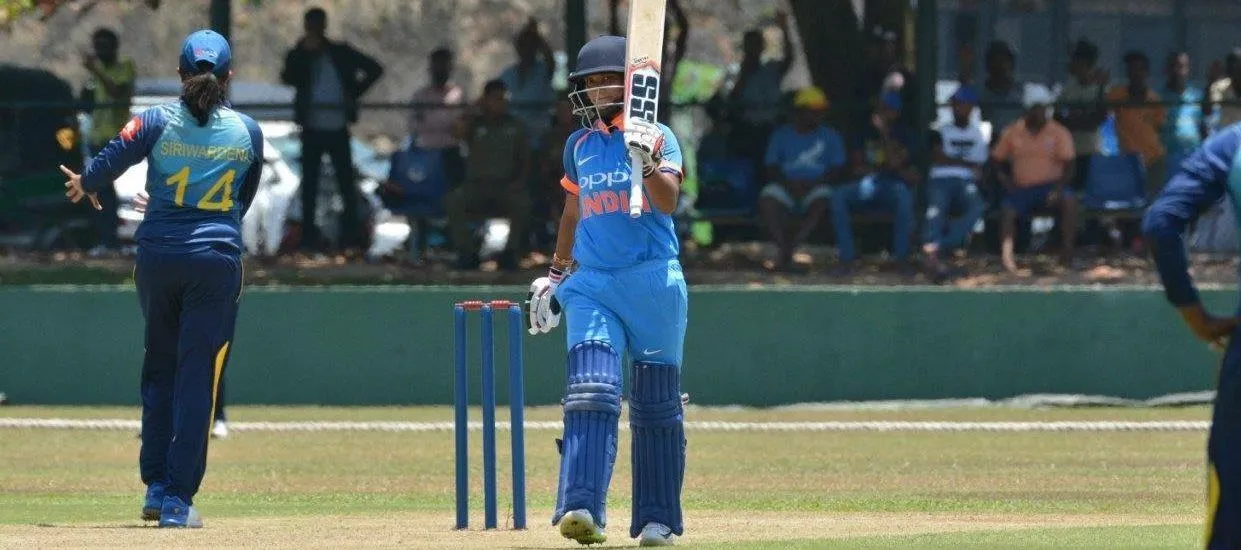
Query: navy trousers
(189,302)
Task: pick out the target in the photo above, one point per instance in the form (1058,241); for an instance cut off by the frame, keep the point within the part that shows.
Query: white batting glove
(647,140)
(544,309)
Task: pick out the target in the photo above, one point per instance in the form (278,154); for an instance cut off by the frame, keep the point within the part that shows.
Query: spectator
(1224,91)
(753,101)
(548,194)
(886,73)
(959,152)
(1040,154)
(108,92)
(674,52)
(432,127)
(880,165)
(1083,108)
(529,81)
(1185,128)
(1139,117)
(496,172)
(802,158)
(1000,97)
(329,77)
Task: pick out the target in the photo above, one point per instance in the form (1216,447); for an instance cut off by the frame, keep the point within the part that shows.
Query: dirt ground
(432,530)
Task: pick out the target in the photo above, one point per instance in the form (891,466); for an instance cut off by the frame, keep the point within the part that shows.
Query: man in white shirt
(959,154)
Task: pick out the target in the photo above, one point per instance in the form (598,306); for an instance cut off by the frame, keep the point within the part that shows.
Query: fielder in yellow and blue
(628,297)
(1207,175)
(204,161)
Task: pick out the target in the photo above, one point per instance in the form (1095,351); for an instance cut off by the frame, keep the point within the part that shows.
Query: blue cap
(891,99)
(965,94)
(208,46)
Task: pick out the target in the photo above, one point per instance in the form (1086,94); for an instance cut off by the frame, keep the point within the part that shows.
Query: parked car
(278,201)
(38,132)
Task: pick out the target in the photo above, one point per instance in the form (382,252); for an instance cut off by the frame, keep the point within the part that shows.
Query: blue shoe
(176,513)
(154,501)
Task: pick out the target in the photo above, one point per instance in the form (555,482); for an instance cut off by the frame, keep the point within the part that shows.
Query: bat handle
(635,185)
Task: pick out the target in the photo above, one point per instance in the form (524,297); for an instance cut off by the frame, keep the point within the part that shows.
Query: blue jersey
(201,179)
(596,168)
(1208,174)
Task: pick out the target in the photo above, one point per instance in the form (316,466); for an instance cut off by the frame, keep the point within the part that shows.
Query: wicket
(516,408)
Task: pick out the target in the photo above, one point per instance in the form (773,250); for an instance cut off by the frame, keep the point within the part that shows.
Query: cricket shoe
(655,534)
(154,501)
(579,525)
(176,513)
(219,430)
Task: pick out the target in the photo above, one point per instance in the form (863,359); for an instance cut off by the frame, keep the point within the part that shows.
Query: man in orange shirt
(1139,117)
(1040,152)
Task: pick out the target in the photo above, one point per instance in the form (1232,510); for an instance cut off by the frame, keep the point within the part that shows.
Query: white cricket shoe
(219,430)
(579,525)
(655,534)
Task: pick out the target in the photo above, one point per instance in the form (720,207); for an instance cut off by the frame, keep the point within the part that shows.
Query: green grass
(881,490)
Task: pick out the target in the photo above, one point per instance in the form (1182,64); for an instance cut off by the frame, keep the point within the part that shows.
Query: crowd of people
(1008,149)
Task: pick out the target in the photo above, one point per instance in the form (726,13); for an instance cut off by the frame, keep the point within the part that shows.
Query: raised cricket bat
(644,49)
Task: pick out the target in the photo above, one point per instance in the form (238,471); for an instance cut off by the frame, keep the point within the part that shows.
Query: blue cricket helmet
(604,54)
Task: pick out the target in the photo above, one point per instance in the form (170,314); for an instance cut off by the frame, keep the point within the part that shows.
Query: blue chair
(1115,183)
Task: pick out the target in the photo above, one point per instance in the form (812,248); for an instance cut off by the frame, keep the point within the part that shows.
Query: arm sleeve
(250,186)
(671,153)
(129,147)
(569,181)
(1200,182)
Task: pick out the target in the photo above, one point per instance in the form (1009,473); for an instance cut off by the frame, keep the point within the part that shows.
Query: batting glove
(647,140)
(544,308)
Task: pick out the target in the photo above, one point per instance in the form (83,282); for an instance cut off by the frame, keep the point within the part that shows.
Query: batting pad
(592,406)
(658,450)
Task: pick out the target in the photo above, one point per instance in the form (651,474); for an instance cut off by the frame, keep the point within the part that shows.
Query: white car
(277,200)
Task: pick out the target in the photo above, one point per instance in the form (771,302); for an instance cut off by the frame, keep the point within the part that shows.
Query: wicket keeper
(204,165)
(628,295)
(1210,173)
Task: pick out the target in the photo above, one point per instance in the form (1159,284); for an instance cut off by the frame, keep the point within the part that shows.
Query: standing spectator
(802,158)
(880,164)
(549,166)
(1083,109)
(432,128)
(496,172)
(753,101)
(1139,117)
(1001,94)
(329,77)
(959,152)
(109,93)
(1040,154)
(885,73)
(529,81)
(1224,91)
(1185,127)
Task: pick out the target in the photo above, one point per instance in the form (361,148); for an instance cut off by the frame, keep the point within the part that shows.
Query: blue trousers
(1224,455)
(942,195)
(189,302)
(889,195)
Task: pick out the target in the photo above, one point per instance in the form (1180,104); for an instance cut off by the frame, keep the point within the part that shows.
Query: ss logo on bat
(642,95)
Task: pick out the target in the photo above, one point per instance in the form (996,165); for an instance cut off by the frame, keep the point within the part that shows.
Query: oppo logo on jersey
(600,179)
(609,202)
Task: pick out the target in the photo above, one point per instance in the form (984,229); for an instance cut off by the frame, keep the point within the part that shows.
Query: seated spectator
(1222,98)
(882,174)
(802,157)
(1139,116)
(433,122)
(959,152)
(496,172)
(1185,128)
(1040,154)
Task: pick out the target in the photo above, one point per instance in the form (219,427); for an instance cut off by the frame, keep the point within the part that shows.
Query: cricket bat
(644,49)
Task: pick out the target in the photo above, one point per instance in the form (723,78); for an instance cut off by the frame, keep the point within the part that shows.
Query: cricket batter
(204,165)
(628,295)
(1211,172)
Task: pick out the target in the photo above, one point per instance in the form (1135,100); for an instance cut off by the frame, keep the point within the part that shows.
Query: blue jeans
(890,195)
(942,195)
